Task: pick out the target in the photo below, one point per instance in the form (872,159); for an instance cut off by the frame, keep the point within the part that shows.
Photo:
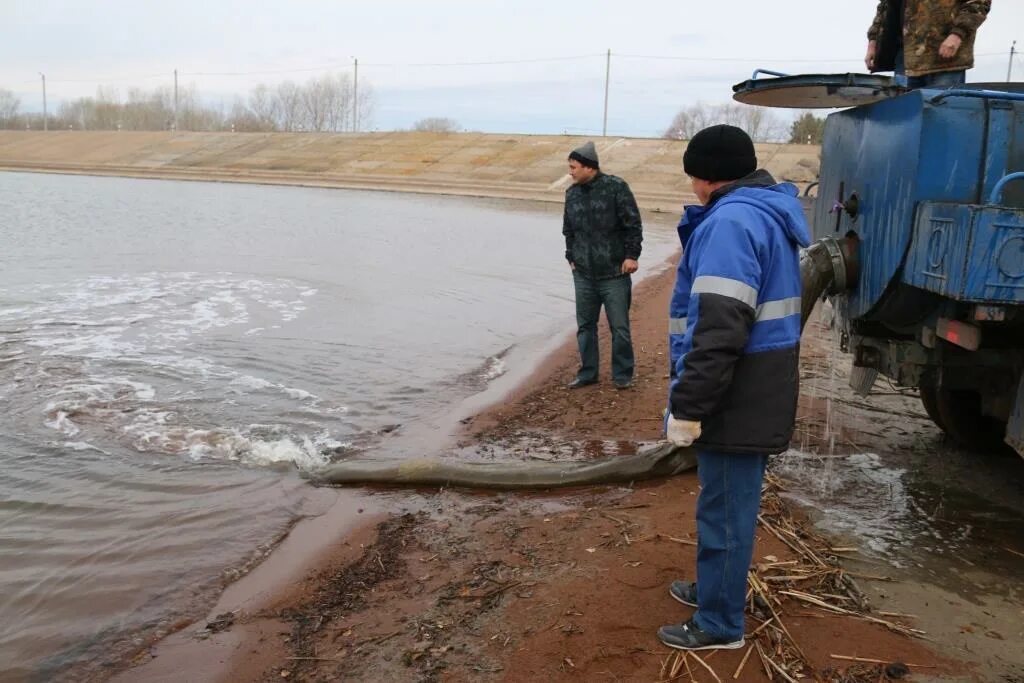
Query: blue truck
(919,229)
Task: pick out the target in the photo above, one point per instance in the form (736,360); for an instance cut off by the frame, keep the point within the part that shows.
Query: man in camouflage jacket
(603,233)
(930,42)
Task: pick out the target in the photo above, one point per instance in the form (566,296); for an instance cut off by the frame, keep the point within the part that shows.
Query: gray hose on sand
(661,460)
(827,266)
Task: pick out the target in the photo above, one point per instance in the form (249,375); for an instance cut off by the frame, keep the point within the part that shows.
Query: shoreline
(647,201)
(319,545)
(457,585)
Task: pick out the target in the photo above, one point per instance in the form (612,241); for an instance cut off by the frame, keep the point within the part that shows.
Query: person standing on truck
(734,341)
(927,43)
(603,233)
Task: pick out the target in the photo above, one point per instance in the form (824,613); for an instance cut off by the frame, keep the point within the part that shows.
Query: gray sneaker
(685,592)
(688,636)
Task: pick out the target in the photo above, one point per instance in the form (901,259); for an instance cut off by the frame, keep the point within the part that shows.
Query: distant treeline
(323,104)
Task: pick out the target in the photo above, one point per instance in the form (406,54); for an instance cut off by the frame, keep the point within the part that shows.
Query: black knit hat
(585,154)
(720,153)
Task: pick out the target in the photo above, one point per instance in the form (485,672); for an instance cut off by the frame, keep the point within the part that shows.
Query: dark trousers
(730,498)
(615,294)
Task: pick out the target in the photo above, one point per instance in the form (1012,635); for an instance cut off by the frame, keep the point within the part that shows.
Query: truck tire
(930,401)
(961,418)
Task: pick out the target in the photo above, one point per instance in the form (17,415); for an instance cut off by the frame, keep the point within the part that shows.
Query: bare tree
(367,106)
(327,103)
(288,98)
(688,122)
(436,124)
(263,106)
(192,115)
(321,104)
(9,105)
(244,119)
(760,123)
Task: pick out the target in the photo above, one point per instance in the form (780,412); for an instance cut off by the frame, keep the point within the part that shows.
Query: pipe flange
(835,254)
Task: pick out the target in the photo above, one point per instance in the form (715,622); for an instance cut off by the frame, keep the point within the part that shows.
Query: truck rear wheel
(930,401)
(959,415)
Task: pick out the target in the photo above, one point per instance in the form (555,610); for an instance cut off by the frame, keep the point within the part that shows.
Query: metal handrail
(768,72)
(997,191)
(981,94)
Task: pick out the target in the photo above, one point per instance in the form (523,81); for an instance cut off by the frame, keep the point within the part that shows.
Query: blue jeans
(730,498)
(615,294)
(942,79)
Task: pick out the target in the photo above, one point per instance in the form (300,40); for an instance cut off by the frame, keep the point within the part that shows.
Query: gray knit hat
(585,154)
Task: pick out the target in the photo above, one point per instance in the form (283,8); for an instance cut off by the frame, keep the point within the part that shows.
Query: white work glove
(682,432)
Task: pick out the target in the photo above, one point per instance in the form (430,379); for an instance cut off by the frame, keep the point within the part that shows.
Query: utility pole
(175,99)
(1009,69)
(45,124)
(607,75)
(355,98)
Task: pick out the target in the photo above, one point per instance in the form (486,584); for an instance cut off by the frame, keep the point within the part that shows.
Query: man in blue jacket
(735,346)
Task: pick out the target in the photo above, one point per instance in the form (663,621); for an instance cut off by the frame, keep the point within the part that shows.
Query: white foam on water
(298,394)
(80,446)
(245,383)
(62,423)
(114,361)
(250,383)
(138,314)
(304,452)
(494,368)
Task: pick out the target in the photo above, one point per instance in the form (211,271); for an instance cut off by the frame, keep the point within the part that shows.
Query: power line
(325,67)
(743,60)
(348,67)
(539,60)
(110,78)
(341,66)
(764,60)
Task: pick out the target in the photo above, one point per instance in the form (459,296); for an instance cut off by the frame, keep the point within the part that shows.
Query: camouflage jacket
(602,226)
(924,25)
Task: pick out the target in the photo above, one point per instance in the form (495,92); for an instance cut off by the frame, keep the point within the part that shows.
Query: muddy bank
(469,164)
(454,585)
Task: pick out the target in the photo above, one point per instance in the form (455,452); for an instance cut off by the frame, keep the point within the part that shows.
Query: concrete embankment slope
(474,164)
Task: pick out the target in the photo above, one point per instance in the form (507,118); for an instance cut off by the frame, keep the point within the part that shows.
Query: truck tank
(919,221)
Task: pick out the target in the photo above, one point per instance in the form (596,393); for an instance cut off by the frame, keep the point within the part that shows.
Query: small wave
(257,445)
(80,446)
(62,423)
(135,315)
(494,368)
(301,451)
(491,369)
(251,383)
(298,394)
(245,383)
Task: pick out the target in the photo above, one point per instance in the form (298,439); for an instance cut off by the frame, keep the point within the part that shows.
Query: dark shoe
(688,636)
(628,384)
(577,383)
(685,592)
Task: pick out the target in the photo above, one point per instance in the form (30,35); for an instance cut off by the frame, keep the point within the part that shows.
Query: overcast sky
(665,54)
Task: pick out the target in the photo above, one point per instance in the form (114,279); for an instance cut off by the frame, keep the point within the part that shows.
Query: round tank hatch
(815,91)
